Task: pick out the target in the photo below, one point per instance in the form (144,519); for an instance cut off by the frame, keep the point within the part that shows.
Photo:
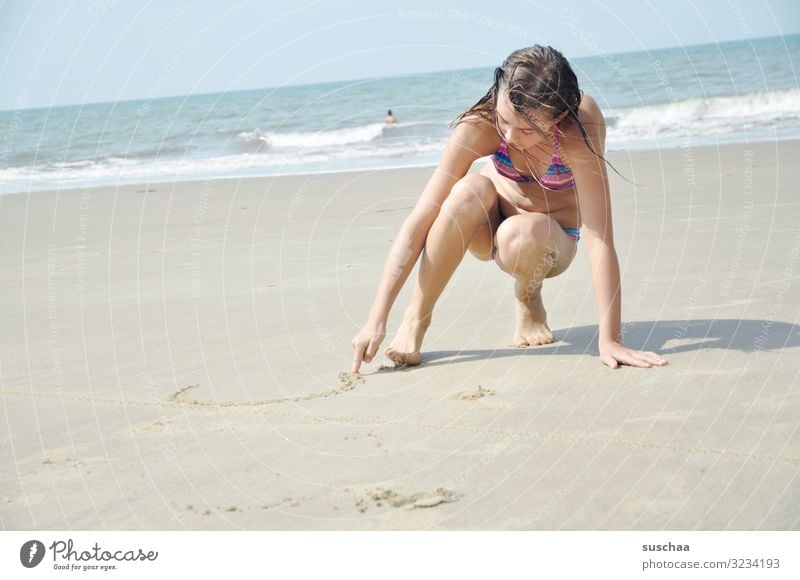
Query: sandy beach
(172,358)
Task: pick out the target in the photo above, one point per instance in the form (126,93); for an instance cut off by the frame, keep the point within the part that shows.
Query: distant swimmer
(390,119)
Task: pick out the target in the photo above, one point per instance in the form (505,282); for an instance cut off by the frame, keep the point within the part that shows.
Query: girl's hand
(613,354)
(366,344)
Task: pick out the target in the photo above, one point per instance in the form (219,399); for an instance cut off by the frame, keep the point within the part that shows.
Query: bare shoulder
(589,110)
(591,117)
(473,137)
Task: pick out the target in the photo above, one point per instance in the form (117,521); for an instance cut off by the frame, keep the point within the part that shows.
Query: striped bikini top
(558,176)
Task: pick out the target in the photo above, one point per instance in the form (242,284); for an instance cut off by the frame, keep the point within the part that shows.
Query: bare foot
(404,349)
(532,329)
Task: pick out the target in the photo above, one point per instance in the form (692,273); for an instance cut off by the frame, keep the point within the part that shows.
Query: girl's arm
(591,181)
(470,140)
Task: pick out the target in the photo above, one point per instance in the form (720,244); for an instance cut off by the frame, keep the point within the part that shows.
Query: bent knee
(522,236)
(471,195)
(534,229)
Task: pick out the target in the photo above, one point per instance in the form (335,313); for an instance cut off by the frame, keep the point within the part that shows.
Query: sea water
(679,97)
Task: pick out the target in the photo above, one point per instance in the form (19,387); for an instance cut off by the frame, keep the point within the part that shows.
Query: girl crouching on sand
(546,188)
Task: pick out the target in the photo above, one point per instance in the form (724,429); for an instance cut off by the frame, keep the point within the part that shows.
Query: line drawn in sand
(350,381)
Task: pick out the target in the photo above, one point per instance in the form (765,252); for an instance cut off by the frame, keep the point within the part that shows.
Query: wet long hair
(535,78)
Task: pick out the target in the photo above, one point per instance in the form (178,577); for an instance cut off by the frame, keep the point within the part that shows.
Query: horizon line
(372,78)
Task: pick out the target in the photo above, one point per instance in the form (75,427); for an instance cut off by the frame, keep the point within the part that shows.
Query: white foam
(349,136)
(696,121)
(122,169)
(703,116)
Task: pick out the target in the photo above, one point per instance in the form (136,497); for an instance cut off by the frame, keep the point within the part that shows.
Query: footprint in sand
(176,397)
(414,501)
(473,394)
(392,367)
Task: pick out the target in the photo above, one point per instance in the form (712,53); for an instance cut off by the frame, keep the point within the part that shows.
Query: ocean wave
(39,161)
(314,139)
(125,169)
(193,151)
(361,134)
(704,116)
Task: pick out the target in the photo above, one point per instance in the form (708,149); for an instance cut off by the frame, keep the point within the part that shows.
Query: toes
(404,358)
(394,356)
(535,340)
(546,338)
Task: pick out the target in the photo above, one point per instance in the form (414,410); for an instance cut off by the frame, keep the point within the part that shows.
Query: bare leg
(532,247)
(467,219)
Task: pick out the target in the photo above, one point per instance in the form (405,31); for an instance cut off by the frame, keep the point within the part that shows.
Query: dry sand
(171,359)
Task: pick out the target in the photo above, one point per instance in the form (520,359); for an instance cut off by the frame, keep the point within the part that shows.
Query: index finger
(358,356)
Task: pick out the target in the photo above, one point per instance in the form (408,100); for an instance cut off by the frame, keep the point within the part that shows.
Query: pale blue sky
(58,52)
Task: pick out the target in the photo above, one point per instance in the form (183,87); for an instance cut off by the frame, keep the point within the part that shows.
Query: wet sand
(173,358)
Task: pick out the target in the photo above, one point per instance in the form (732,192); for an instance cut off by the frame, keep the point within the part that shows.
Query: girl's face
(517,131)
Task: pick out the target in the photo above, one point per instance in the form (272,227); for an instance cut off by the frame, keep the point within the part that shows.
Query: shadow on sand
(685,336)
